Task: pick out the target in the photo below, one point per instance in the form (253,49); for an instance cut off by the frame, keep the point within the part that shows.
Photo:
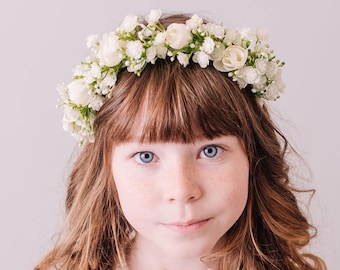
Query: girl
(181,166)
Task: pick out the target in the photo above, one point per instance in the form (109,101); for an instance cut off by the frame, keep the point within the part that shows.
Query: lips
(187,227)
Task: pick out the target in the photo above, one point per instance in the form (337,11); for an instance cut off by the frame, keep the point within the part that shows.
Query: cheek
(231,189)
(134,193)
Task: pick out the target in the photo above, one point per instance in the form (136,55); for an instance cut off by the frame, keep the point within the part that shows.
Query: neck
(144,255)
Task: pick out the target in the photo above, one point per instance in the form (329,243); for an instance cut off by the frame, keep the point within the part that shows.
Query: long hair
(178,102)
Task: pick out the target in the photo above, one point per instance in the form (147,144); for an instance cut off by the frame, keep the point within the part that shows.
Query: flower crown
(243,54)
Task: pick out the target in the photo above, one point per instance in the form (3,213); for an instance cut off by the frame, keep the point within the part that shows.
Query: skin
(180,198)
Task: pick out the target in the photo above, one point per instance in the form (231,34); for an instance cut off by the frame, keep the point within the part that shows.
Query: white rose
(233,58)
(134,49)
(177,35)
(201,58)
(78,93)
(109,52)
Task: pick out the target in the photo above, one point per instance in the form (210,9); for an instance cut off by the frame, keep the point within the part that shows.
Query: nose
(182,183)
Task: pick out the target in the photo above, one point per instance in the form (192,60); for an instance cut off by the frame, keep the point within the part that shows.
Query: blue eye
(210,151)
(145,157)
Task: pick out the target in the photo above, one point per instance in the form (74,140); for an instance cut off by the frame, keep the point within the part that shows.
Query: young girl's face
(181,198)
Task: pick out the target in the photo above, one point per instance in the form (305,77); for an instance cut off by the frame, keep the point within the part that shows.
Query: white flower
(161,51)
(215,29)
(249,74)
(96,103)
(63,91)
(151,54)
(183,59)
(153,16)
(247,34)
(261,83)
(104,87)
(217,54)
(230,35)
(134,49)
(110,50)
(201,58)
(194,22)
(262,34)
(96,70)
(71,115)
(136,66)
(79,93)
(261,65)
(271,69)
(159,39)
(177,35)
(234,57)
(273,91)
(92,41)
(145,32)
(129,24)
(80,69)
(208,45)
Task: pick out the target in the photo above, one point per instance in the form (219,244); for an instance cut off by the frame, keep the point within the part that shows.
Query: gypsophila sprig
(243,54)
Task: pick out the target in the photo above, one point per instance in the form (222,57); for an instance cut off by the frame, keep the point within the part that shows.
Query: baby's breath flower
(194,22)
(208,45)
(153,16)
(201,58)
(129,24)
(183,59)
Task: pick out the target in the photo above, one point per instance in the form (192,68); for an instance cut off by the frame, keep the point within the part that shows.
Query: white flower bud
(177,35)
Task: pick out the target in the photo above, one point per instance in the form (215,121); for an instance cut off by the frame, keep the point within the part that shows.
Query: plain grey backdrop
(41,41)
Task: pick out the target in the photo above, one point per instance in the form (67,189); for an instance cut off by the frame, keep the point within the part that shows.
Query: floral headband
(244,55)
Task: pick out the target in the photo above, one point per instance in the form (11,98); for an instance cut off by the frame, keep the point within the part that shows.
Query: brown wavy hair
(271,233)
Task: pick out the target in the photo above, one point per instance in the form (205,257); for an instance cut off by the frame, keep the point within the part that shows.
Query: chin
(187,251)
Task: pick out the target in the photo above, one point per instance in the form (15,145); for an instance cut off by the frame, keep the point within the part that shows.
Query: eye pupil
(210,151)
(146,157)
